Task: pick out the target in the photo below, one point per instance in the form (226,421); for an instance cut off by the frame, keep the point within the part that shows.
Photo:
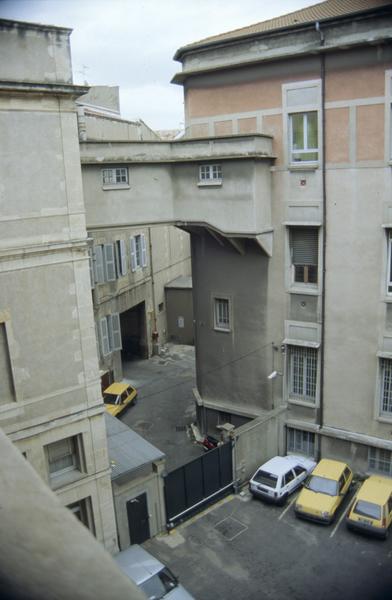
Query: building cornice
(41,88)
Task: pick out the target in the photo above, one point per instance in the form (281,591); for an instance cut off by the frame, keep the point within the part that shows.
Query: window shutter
(110,264)
(304,246)
(132,243)
(123,257)
(115,332)
(103,325)
(144,250)
(91,267)
(99,270)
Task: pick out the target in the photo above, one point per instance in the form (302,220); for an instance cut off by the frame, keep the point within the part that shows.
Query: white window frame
(385,387)
(63,475)
(380,461)
(225,323)
(210,174)
(305,149)
(115,177)
(306,284)
(138,248)
(304,377)
(304,442)
(290,109)
(98,264)
(110,334)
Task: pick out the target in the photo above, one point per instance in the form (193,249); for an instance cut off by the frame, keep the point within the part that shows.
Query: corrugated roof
(316,12)
(127,449)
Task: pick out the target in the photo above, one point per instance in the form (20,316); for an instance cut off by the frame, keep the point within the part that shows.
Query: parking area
(166,403)
(245,549)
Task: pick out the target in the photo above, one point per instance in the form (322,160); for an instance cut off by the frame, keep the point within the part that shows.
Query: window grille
(386,385)
(115,176)
(380,461)
(302,373)
(210,173)
(222,313)
(300,441)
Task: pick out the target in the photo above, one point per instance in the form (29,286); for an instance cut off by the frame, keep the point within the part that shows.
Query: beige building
(314,312)
(50,398)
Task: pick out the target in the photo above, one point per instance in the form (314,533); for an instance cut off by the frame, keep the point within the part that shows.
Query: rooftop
(321,11)
(127,449)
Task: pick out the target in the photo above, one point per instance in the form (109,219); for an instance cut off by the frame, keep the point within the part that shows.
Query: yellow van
(118,396)
(324,491)
(371,510)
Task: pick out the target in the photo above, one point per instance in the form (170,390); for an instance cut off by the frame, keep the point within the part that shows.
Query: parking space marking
(339,521)
(282,514)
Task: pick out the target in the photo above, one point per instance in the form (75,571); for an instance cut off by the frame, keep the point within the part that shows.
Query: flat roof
(127,449)
(182,282)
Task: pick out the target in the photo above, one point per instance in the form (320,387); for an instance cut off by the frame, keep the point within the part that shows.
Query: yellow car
(118,396)
(324,491)
(371,510)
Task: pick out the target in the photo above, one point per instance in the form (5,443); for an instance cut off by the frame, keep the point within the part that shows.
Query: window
(380,461)
(83,512)
(210,174)
(7,392)
(303,137)
(104,263)
(115,176)
(222,314)
(121,258)
(304,254)
(64,459)
(386,386)
(302,373)
(110,330)
(300,441)
(138,252)
(389,272)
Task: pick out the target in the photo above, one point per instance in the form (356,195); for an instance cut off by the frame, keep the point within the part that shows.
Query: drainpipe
(324,246)
(154,334)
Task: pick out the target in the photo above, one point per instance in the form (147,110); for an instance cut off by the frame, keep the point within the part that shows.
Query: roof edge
(12,23)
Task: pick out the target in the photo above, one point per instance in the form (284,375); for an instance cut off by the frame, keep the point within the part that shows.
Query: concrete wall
(45,296)
(358,184)
(132,486)
(179,315)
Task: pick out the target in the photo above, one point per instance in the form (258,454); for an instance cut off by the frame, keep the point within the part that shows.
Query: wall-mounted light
(274,374)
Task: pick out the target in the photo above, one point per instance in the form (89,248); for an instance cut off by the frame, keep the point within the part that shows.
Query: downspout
(154,333)
(324,246)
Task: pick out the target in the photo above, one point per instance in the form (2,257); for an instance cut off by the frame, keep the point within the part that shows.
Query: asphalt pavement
(244,549)
(165,406)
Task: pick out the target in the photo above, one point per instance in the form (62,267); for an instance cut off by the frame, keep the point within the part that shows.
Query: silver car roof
(138,564)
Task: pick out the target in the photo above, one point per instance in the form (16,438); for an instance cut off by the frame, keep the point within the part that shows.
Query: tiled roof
(317,12)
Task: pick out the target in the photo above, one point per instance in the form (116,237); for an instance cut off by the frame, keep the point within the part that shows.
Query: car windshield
(111,399)
(159,584)
(266,478)
(322,485)
(368,509)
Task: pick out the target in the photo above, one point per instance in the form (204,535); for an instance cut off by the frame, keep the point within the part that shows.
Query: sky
(131,43)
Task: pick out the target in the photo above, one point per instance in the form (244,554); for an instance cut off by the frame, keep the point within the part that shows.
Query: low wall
(256,442)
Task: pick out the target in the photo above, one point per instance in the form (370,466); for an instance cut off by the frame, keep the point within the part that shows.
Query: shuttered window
(304,254)
(110,263)
(121,258)
(98,260)
(110,330)
(138,251)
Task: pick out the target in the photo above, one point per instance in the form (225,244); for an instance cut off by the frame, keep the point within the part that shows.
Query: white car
(150,575)
(279,477)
